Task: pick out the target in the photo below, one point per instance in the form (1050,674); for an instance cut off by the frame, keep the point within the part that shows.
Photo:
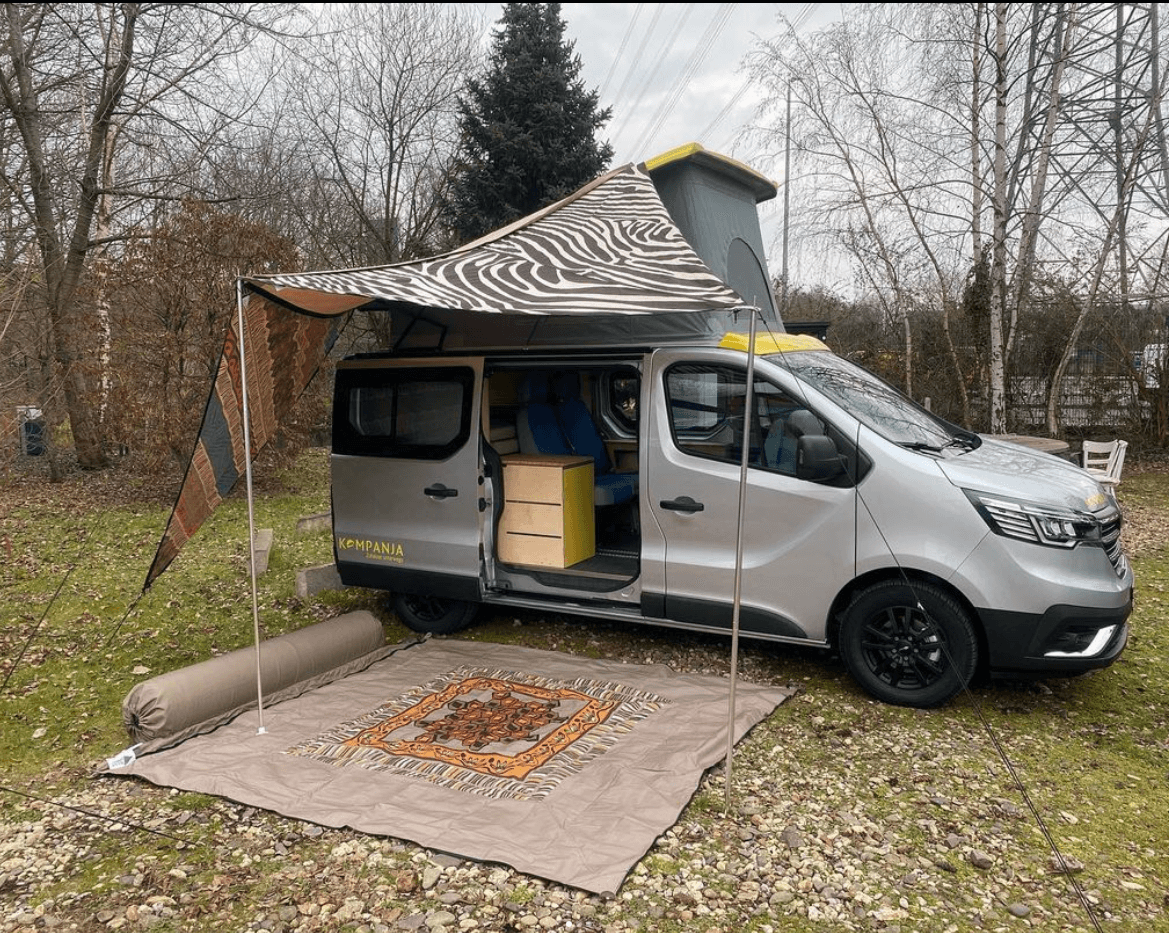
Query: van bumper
(1064,640)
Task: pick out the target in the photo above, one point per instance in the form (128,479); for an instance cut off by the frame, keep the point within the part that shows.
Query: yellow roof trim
(772,343)
(673,155)
(763,186)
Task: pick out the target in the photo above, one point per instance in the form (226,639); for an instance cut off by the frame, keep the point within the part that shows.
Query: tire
(433,615)
(908,645)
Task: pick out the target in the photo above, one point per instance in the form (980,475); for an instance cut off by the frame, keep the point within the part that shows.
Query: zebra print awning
(610,248)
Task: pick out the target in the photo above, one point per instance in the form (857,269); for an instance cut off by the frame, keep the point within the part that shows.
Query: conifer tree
(527,127)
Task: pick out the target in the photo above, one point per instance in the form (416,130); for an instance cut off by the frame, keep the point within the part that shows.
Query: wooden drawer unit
(547,516)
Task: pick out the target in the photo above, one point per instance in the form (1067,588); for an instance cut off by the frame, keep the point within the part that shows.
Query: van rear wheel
(433,615)
(909,645)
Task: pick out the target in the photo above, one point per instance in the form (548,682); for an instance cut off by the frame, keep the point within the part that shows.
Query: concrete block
(314,523)
(312,580)
(262,548)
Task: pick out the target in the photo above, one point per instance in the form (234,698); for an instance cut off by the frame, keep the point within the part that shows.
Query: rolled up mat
(173,704)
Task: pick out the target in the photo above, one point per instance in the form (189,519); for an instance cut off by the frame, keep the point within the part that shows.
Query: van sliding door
(405,471)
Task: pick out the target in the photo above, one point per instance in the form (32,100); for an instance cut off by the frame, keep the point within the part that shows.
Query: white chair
(1104,460)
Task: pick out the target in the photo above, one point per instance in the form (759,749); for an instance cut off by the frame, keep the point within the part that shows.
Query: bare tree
(374,102)
(90,85)
(172,296)
(930,127)
(998,250)
(870,145)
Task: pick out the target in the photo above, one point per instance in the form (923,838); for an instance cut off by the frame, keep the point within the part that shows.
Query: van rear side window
(417,414)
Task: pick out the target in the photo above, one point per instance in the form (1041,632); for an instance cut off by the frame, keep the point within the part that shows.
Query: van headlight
(1039,524)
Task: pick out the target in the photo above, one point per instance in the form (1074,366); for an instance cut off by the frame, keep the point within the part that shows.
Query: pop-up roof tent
(646,245)
(662,252)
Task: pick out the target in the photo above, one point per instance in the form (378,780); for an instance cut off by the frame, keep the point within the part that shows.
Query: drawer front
(531,550)
(535,518)
(524,483)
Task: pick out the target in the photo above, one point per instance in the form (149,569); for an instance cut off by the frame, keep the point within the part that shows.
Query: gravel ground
(893,829)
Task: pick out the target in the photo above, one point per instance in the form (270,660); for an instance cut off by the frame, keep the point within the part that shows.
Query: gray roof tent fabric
(612,249)
(714,201)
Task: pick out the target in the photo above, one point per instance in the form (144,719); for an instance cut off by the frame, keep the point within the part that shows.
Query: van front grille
(1110,537)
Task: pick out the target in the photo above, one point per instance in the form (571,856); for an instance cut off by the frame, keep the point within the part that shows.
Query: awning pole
(748,419)
(243,377)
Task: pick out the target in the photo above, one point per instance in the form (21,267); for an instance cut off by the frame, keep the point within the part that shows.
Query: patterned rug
(562,767)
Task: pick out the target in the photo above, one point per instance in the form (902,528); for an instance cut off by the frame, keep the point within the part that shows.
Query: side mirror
(817,458)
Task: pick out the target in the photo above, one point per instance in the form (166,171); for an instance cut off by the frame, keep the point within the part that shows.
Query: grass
(1090,752)
(84,632)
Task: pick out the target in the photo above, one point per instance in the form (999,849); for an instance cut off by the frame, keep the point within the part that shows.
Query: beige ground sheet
(562,767)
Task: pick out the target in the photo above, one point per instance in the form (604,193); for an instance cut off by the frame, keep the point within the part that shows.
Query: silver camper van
(606,485)
(594,466)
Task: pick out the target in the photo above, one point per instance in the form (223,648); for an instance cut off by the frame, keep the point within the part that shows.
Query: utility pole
(787,187)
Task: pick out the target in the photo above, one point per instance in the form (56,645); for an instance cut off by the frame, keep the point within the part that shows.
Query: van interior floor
(618,546)
(603,572)
(619,565)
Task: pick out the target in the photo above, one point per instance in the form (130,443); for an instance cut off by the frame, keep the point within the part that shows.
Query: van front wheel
(433,615)
(909,645)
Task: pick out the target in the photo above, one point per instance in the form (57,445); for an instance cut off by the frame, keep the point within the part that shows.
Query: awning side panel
(284,352)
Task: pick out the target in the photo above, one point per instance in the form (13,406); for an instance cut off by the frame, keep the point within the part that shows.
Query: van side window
(624,393)
(707,420)
(420,414)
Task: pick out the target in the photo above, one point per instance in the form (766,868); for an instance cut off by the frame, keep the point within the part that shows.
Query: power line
(620,96)
(621,49)
(715,27)
(797,24)
(664,54)
(730,105)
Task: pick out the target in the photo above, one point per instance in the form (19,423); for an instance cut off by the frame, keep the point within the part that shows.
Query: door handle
(682,504)
(439,491)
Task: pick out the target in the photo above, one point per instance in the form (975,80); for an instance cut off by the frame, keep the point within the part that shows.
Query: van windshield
(875,403)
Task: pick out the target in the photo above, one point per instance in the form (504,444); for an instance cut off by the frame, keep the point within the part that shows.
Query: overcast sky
(673,74)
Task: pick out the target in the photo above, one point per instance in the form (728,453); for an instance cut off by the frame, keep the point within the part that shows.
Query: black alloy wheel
(433,615)
(908,644)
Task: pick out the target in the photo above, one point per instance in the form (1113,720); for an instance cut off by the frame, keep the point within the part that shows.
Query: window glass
(706,404)
(419,414)
(427,412)
(371,410)
(624,395)
(699,400)
(875,403)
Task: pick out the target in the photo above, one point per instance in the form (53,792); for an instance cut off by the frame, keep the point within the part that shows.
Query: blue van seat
(614,488)
(536,427)
(583,439)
